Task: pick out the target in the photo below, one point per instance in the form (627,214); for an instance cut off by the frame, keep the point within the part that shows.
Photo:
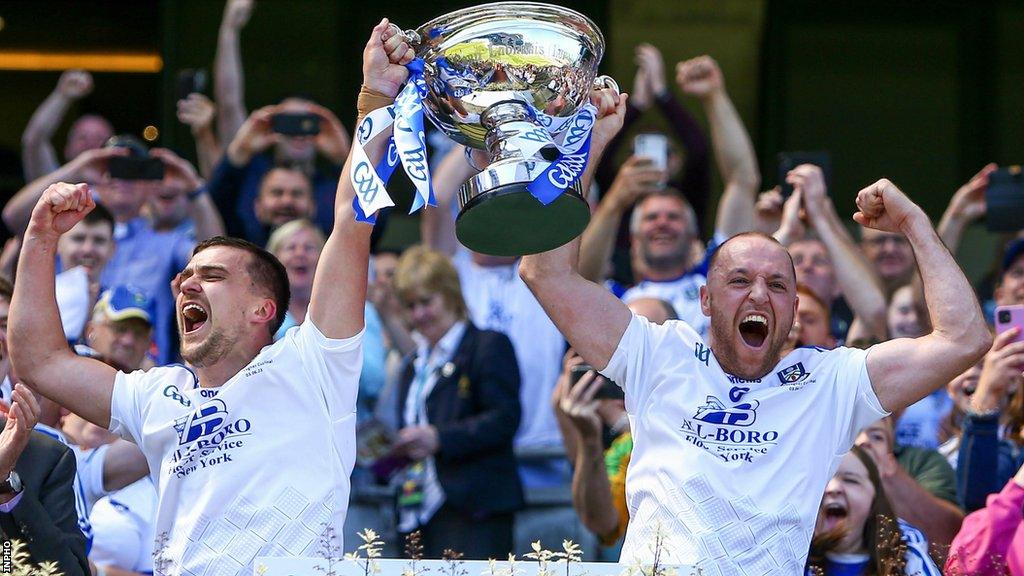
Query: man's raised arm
(39,352)
(339,287)
(904,370)
(590,317)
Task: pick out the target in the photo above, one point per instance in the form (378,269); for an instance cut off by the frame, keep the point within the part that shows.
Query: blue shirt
(234,190)
(147,261)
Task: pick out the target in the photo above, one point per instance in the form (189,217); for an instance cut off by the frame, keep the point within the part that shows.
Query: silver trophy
(495,73)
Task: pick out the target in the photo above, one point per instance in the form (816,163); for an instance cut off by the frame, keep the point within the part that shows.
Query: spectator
(146,258)
(231,298)
(121,328)
(37,503)
(679,472)
(857,531)
(228,75)
(597,438)
(89,132)
(83,254)
(993,427)
(497,299)
(236,181)
(891,256)
(285,194)
(966,206)
(459,410)
(830,264)
(992,539)
(960,390)
(663,225)
(197,112)
(920,482)
(811,327)
(297,245)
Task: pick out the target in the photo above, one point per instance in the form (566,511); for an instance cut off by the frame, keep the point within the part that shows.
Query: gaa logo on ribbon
(392,154)
(539,135)
(365,129)
(415,162)
(363,178)
(580,128)
(567,170)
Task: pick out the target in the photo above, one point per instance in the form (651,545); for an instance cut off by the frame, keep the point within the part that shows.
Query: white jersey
(499,300)
(123,529)
(683,294)
(730,472)
(258,466)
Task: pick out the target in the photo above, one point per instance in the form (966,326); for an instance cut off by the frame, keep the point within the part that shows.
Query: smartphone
(609,390)
(296,124)
(653,146)
(136,168)
(191,81)
(789,160)
(1004,200)
(1010,317)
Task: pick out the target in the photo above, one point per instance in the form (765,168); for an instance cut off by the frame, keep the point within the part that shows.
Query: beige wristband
(370,100)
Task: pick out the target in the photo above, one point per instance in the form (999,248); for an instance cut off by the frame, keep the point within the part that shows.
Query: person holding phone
(663,225)
(295,132)
(992,438)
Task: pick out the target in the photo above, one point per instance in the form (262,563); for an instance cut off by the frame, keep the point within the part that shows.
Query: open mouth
(754,330)
(193,317)
(834,513)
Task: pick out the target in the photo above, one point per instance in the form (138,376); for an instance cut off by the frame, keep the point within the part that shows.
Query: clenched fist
(61,207)
(885,207)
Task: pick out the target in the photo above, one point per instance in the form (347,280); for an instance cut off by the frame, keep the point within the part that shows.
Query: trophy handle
(605,81)
(412,37)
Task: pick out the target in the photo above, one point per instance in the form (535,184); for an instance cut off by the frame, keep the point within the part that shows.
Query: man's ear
(705,300)
(266,311)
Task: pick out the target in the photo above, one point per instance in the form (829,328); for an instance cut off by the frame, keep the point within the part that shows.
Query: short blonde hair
(421,268)
(289,229)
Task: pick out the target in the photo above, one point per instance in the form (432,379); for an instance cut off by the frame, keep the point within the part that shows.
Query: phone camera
(1004,316)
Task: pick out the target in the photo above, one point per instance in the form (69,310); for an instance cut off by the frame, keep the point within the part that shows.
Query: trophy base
(504,219)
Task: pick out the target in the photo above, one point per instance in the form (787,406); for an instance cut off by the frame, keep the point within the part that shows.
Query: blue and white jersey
(919,563)
(88,484)
(259,466)
(123,530)
(731,471)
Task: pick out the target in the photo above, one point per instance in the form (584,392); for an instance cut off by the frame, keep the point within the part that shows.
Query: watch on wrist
(12,485)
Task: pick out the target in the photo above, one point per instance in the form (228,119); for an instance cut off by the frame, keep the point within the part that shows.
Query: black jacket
(45,518)
(475,407)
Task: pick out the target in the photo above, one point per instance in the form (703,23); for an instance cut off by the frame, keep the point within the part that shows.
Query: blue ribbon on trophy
(407,146)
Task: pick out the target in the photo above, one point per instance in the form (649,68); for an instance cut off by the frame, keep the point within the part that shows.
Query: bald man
(726,430)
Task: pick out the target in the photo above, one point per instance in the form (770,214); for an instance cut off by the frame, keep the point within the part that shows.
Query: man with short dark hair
(725,429)
(286,194)
(251,449)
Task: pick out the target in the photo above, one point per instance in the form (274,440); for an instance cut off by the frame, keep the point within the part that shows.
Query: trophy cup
(503,78)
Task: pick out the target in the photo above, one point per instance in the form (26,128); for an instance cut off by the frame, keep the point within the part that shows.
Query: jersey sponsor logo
(702,352)
(173,393)
(714,412)
(737,392)
(793,374)
(735,380)
(207,437)
(725,430)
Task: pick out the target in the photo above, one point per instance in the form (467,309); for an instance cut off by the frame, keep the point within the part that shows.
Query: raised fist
(699,77)
(384,59)
(61,206)
(75,84)
(883,206)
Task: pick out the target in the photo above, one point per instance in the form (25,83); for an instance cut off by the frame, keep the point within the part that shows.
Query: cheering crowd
(201,363)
